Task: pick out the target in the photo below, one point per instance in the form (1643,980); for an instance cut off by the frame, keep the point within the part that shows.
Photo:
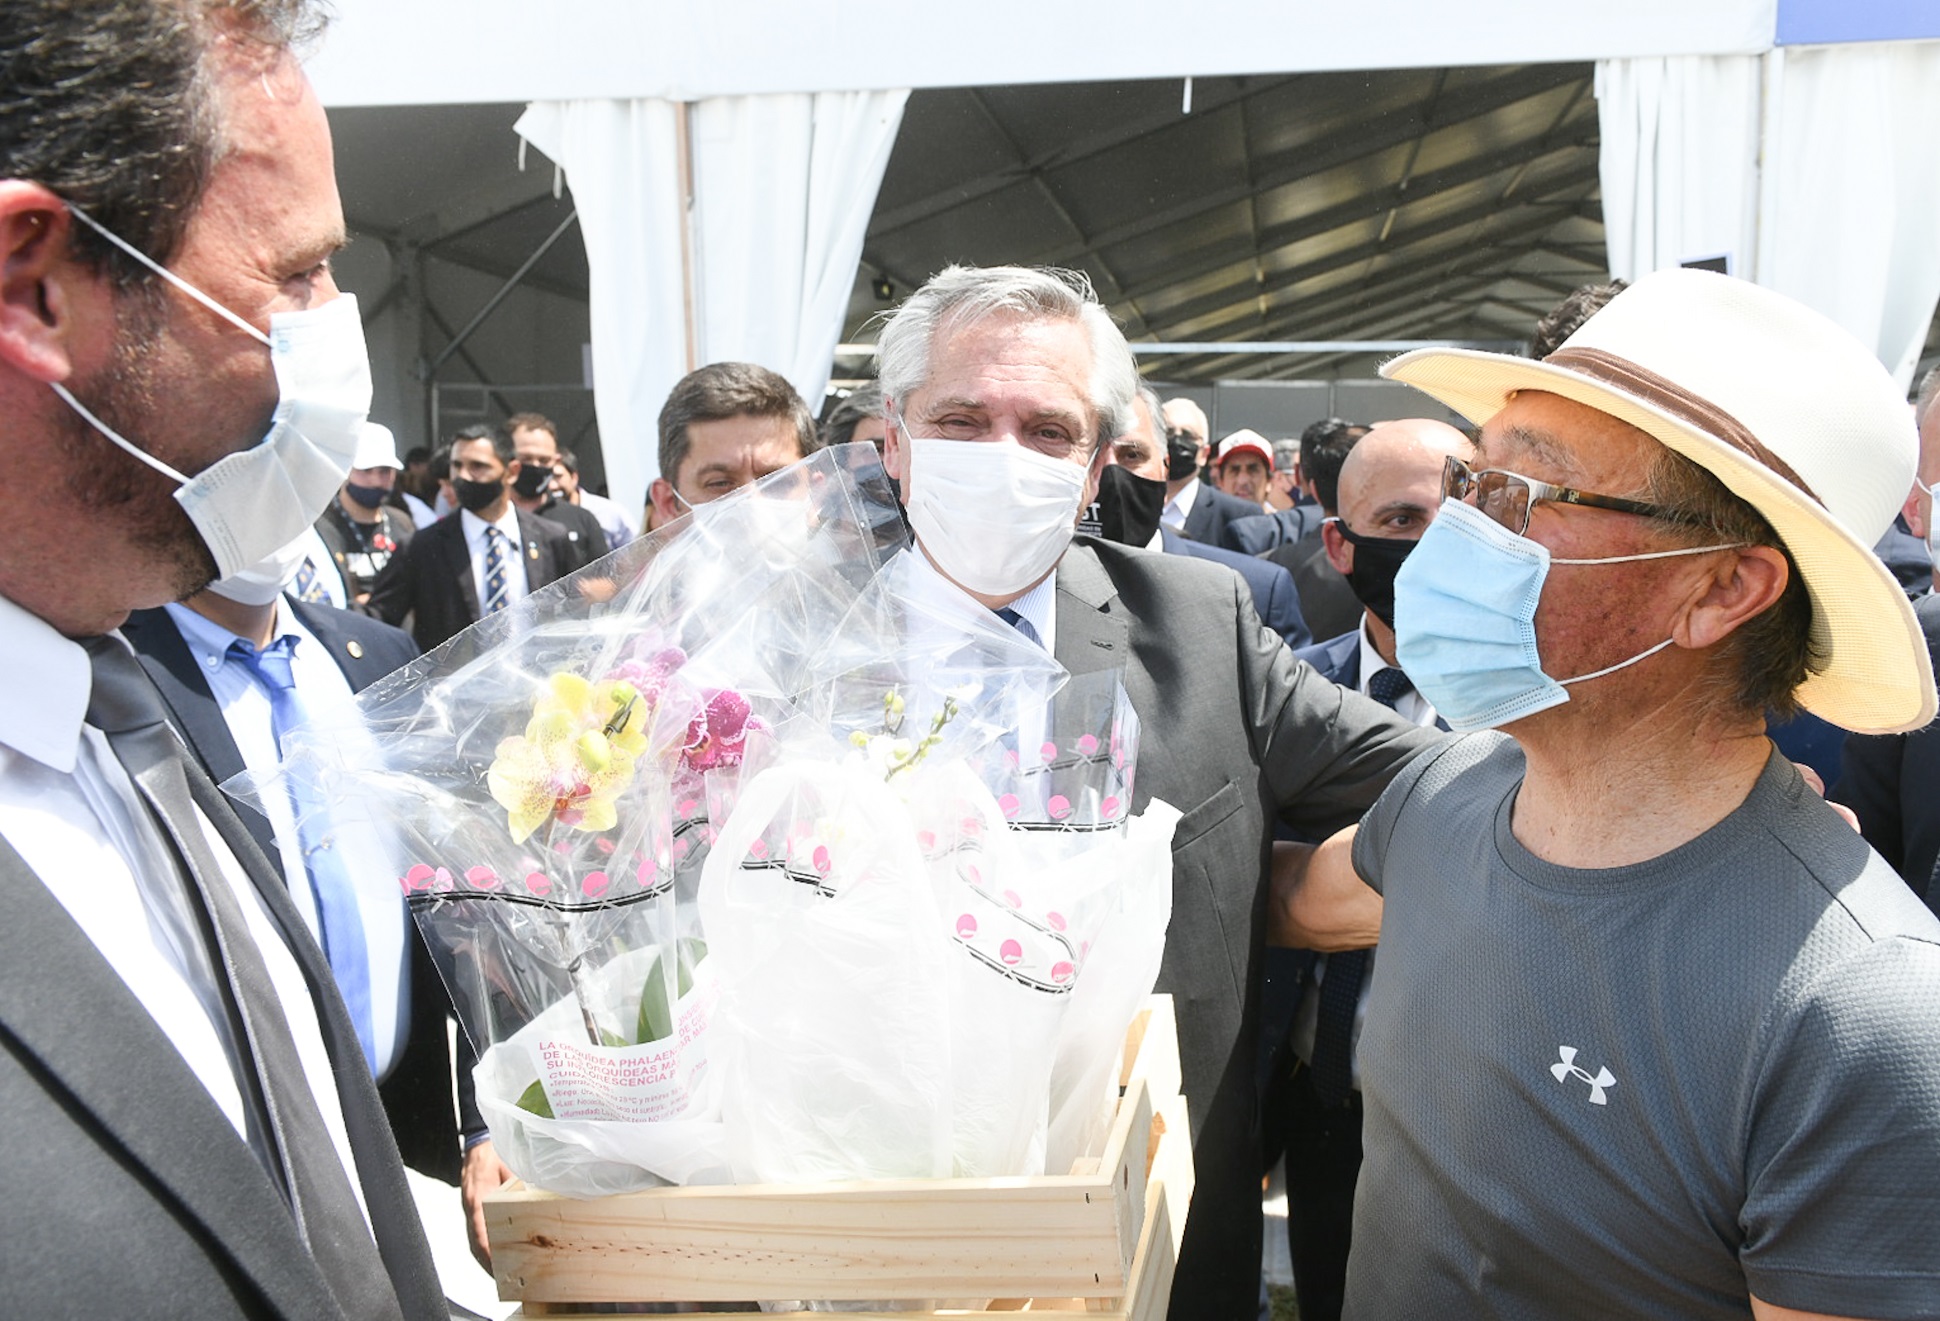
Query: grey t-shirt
(1648,1090)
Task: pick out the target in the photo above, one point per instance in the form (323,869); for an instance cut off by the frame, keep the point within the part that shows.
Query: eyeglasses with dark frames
(1508,497)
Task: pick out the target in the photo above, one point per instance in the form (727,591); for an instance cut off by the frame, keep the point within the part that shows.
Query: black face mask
(1376,561)
(369,497)
(532,481)
(1127,507)
(475,496)
(1181,455)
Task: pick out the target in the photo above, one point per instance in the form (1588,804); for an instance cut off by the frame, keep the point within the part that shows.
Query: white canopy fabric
(782,186)
(430,52)
(1844,214)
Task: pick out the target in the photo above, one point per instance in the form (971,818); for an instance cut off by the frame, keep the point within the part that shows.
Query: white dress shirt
(72,814)
(508,523)
(327,700)
(1179,508)
(1411,705)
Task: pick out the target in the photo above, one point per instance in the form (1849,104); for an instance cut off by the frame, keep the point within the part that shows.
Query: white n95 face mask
(995,517)
(264,581)
(249,505)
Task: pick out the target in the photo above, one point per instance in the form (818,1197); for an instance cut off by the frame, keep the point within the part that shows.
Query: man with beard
(189,1121)
(1001,388)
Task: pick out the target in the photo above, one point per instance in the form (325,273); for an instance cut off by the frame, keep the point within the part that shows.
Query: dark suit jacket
(1274,597)
(1213,512)
(586,539)
(1892,782)
(131,1195)
(1259,533)
(1235,733)
(417,1092)
(1326,599)
(430,580)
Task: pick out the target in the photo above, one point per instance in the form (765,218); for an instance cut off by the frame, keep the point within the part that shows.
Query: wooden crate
(1100,1241)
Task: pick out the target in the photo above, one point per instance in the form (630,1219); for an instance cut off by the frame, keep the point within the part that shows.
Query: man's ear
(660,498)
(1916,522)
(39,285)
(1340,551)
(512,471)
(1736,592)
(895,447)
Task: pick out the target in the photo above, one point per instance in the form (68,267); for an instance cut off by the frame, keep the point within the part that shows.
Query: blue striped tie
(495,595)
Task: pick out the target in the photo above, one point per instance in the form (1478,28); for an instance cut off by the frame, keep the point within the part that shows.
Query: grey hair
(1928,392)
(962,295)
(1148,399)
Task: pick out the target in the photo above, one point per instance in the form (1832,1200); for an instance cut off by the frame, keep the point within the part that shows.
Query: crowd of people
(1508,910)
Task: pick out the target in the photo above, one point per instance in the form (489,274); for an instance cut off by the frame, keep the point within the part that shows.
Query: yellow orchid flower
(576,756)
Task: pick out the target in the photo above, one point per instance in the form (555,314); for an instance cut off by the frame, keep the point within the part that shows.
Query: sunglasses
(1507,497)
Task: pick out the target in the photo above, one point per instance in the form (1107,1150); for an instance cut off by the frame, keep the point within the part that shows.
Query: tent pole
(684,158)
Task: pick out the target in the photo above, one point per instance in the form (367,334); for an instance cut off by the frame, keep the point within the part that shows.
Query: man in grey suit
(998,385)
(190,1128)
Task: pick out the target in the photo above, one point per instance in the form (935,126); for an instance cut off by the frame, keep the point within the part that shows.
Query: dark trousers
(1323,1152)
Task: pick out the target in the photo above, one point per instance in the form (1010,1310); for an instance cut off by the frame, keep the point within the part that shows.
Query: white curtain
(783,189)
(1811,167)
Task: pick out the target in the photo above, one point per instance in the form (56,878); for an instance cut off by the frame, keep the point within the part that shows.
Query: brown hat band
(1644,384)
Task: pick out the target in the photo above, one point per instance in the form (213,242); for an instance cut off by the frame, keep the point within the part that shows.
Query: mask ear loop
(116,436)
(165,273)
(1621,559)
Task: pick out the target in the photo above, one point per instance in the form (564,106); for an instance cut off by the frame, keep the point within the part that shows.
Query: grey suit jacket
(130,1192)
(1236,734)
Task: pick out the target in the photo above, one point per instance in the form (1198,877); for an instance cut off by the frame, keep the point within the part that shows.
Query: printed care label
(641,1084)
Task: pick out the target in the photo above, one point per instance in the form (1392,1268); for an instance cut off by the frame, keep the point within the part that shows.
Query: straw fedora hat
(1791,413)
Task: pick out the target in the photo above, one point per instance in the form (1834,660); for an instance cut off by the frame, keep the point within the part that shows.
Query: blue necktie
(495,598)
(309,585)
(1021,624)
(342,927)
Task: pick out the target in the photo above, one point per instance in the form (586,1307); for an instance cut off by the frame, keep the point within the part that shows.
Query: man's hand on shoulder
(1319,901)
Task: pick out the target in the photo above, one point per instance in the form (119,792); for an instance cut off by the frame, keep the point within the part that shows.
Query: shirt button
(215,662)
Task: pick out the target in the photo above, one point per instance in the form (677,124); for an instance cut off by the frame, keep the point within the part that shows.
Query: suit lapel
(66,1007)
(540,567)
(387,1198)
(458,567)
(1091,634)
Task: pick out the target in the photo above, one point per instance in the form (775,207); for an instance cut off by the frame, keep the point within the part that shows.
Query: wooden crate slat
(1093,1240)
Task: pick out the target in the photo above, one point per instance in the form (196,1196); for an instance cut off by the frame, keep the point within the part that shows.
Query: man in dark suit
(1325,598)
(477,562)
(1195,508)
(1234,731)
(536,442)
(190,1126)
(1126,510)
(1389,489)
(182,647)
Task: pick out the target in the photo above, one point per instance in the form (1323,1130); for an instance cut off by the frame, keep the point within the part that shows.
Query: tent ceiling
(1457,203)
(1449,203)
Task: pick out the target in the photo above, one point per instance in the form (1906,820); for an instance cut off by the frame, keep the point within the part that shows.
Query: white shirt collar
(209,641)
(1184,500)
(1412,705)
(42,709)
(1038,607)
(474,526)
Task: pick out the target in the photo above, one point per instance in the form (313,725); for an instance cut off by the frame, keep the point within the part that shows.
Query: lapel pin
(532,551)
(355,648)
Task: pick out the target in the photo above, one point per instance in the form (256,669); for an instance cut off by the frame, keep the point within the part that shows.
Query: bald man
(1390,489)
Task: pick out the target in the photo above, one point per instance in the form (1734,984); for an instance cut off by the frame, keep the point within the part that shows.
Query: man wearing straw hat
(1653,1032)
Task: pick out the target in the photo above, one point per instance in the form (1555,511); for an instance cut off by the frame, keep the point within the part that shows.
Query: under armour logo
(1567,1065)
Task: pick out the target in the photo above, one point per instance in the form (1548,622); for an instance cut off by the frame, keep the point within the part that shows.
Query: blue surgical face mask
(1465,619)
